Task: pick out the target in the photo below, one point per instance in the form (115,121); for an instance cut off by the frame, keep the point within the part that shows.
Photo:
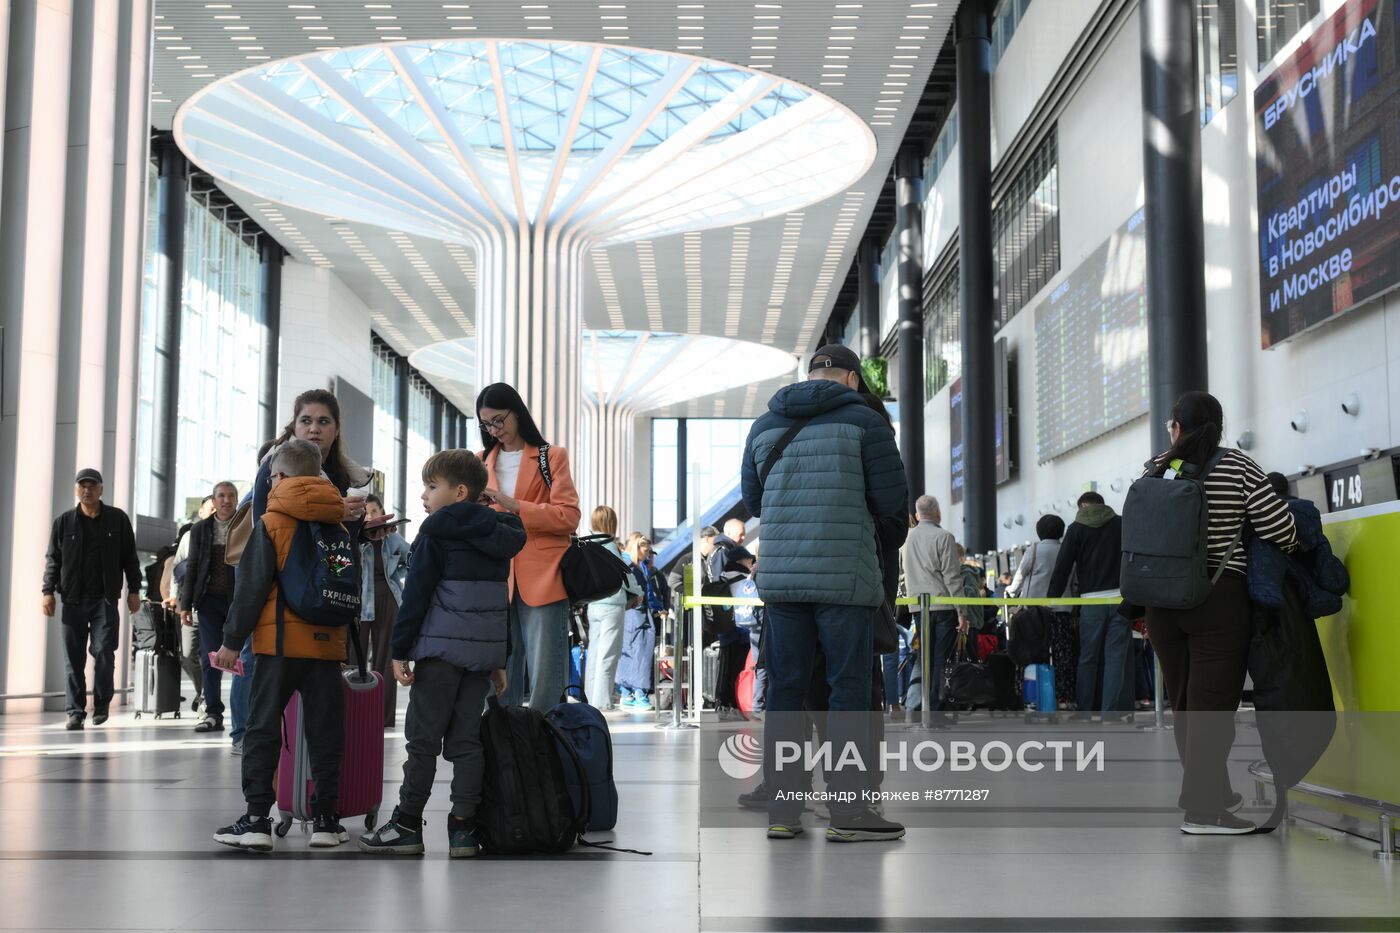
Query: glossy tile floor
(109,829)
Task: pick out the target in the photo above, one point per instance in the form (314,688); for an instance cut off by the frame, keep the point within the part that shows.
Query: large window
(1026,232)
(220,359)
(146,381)
(1005,19)
(1277,21)
(714,447)
(665,495)
(384,390)
(942,150)
(1219,63)
(942,329)
(420,446)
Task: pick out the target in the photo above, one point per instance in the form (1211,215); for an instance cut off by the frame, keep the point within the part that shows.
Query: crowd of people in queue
(477,605)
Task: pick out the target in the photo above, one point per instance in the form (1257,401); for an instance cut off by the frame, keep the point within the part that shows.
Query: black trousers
(732,659)
(1204,654)
(444,718)
(90,626)
(323,711)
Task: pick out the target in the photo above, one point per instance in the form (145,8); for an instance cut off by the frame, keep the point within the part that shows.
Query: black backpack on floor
(1030,636)
(525,803)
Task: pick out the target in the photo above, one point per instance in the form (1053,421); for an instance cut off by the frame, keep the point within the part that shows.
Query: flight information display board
(1091,346)
(1328,172)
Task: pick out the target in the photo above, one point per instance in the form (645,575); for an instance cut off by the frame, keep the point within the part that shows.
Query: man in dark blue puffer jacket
(819,573)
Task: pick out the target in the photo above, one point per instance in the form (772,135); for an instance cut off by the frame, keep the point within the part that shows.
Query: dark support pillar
(1171,152)
(868,277)
(401,435)
(270,304)
(439,433)
(909,257)
(171,194)
(974,55)
(449,425)
(682,476)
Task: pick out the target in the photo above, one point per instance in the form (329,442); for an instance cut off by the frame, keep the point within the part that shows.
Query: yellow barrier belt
(692,602)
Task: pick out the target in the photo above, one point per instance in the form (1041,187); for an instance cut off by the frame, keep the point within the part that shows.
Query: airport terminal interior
(987,254)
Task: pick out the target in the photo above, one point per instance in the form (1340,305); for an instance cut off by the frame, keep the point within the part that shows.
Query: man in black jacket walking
(91,548)
(1093,549)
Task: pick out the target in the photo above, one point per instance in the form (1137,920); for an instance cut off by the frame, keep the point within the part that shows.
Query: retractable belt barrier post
(925,641)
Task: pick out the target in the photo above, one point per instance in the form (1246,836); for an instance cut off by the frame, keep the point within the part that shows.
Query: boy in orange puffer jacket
(300,657)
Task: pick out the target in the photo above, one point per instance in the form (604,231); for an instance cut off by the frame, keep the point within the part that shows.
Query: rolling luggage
(1003,673)
(362,767)
(578,657)
(744,688)
(1039,692)
(709,674)
(157,684)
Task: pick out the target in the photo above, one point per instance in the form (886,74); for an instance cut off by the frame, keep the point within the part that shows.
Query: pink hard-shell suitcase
(362,767)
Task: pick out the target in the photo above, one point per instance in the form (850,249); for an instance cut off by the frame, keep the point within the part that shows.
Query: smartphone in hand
(214,663)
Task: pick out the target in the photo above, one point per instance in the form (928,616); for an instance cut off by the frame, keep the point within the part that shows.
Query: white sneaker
(326,833)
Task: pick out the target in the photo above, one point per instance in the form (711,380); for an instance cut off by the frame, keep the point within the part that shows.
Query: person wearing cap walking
(91,548)
(821,470)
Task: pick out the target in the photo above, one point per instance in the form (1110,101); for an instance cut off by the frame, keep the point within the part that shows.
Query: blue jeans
(1105,651)
(210,615)
(539,643)
(760,673)
(238,693)
(794,632)
(897,684)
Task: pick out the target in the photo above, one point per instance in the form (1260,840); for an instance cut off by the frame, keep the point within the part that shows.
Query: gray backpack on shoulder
(1166,529)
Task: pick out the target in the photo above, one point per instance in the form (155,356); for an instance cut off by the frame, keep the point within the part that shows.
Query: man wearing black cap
(820,469)
(91,548)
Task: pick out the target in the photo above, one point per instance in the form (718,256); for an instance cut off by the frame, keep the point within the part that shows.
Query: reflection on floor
(109,829)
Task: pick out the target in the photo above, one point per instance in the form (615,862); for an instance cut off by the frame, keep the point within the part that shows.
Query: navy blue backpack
(320,580)
(588,757)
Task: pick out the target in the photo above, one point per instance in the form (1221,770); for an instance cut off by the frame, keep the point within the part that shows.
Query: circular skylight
(449,138)
(631,369)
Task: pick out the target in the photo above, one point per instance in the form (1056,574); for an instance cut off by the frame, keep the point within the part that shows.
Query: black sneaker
(326,833)
(461,839)
(1222,824)
(393,838)
(248,832)
(75,722)
(1235,801)
(862,826)
(756,799)
(99,717)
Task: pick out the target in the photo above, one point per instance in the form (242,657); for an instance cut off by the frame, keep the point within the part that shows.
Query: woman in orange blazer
(539,607)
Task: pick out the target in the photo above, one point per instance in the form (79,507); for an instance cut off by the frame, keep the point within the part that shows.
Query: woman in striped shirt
(1204,651)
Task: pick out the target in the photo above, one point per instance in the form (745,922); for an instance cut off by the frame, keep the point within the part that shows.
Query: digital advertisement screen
(955,438)
(1328,160)
(1091,346)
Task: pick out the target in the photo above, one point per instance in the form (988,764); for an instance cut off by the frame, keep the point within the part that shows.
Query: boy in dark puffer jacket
(450,644)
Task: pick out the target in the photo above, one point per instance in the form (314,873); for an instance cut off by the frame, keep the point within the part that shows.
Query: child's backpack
(320,579)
